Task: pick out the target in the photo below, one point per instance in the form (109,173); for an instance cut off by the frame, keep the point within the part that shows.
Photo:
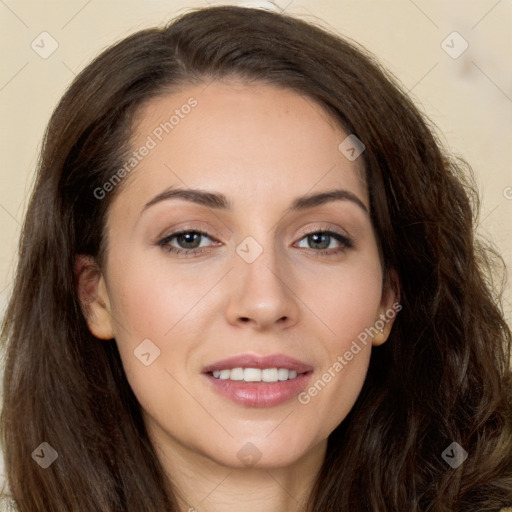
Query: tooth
(237,374)
(255,374)
(282,374)
(252,375)
(269,375)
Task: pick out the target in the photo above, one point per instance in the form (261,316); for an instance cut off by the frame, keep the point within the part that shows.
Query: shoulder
(7,504)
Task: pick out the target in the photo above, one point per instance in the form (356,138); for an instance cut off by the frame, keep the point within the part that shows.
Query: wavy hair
(443,376)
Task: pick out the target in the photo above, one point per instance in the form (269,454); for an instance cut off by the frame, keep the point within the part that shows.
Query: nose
(261,293)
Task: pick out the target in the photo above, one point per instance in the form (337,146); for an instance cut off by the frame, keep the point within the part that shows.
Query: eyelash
(346,243)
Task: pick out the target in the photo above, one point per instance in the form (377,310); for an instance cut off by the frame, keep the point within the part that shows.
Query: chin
(262,452)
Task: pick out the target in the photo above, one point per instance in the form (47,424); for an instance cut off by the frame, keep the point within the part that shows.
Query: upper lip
(259,361)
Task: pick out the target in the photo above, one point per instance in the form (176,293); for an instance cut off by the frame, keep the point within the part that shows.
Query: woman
(248,278)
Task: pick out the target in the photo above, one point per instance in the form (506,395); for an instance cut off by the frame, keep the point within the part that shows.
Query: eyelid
(340,235)
(163,239)
(208,231)
(344,239)
(326,227)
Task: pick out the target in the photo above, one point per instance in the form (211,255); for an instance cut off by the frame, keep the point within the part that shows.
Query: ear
(93,296)
(389,308)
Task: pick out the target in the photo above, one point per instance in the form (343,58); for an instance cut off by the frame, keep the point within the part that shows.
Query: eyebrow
(219,201)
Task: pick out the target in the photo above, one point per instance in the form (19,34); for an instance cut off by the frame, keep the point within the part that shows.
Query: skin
(262,147)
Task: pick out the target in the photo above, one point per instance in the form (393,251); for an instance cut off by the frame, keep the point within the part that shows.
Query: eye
(325,242)
(187,241)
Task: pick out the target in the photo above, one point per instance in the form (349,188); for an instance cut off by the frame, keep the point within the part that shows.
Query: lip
(259,394)
(261,362)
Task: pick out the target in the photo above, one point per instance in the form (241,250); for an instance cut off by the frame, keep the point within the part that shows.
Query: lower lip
(260,394)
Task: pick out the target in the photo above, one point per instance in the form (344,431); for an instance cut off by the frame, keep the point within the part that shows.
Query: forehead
(246,139)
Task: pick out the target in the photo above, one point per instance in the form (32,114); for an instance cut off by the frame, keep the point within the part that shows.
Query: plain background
(469,98)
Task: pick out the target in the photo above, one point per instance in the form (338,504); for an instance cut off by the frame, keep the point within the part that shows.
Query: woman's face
(241,164)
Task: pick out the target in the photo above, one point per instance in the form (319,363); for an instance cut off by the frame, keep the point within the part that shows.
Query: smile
(258,381)
(256,374)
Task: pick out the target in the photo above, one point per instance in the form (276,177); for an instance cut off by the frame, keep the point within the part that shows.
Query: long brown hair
(443,376)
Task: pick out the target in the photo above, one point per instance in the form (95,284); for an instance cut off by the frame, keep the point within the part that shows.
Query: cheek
(347,300)
(150,310)
(150,300)
(348,306)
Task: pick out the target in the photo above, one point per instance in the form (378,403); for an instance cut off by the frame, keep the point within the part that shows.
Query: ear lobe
(390,306)
(93,296)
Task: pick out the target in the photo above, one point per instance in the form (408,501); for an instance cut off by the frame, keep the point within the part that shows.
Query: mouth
(258,381)
(256,374)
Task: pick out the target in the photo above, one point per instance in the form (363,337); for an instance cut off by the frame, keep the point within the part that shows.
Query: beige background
(469,97)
